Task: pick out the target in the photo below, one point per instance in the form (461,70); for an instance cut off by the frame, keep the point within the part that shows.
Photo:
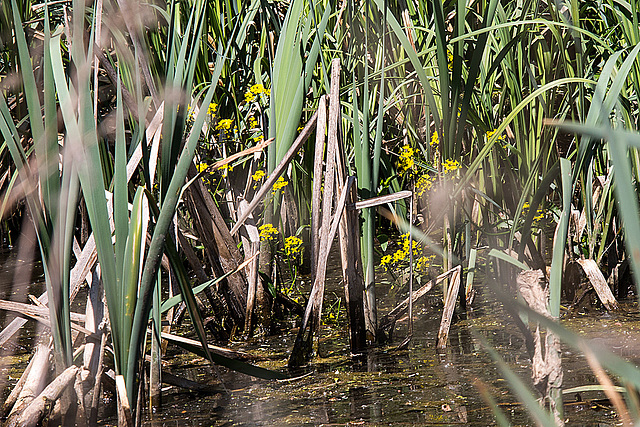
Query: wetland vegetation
(319,212)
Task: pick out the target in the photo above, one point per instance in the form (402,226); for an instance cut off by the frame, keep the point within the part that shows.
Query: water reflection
(414,386)
(20,276)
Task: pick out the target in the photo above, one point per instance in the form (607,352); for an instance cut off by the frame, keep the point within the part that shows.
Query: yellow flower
(490,134)
(450,166)
(258,175)
(202,167)
(385,261)
(226,169)
(424,183)
(399,255)
(254,91)
(405,245)
(224,124)
(213,107)
(257,89)
(252,122)
(267,232)
(292,246)
(423,263)
(415,246)
(190,116)
(449,60)
(434,140)
(406,160)
(280,183)
(537,217)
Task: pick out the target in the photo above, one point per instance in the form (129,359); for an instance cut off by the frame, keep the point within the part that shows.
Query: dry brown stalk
(33,385)
(39,408)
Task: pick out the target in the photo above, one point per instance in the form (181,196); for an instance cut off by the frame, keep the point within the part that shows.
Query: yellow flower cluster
(539,213)
(258,175)
(450,166)
(292,246)
(406,161)
(424,183)
(213,107)
(254,91)
(385,261)
(434,140)
(280,183)
(224,124)
(449,60)
(190,115)
(267,232)
(252,122)
(490,134)
(202,167)
(405,244)
(402,254)
(423,263)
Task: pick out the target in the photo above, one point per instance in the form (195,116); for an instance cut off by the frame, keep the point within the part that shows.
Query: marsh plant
(136,135)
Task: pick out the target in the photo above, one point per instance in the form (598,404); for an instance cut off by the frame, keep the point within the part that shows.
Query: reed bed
(172,158)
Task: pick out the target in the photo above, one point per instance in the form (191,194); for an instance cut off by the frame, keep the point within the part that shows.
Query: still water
(19,278)
(414,386)
(388,386)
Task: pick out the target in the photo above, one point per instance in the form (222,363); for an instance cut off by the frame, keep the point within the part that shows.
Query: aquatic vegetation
(252,123)
(255,91)
(268,232)
(279,184)
(424,183)
(539,213)
(490,133)
(449,166)
(292,246)
(398,261)
(434,140)
(471,116)
(224,124)
(406,162)
(258,175)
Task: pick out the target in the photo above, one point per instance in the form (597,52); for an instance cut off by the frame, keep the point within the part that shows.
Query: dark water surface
(19,278)
(386,387)
(416,386)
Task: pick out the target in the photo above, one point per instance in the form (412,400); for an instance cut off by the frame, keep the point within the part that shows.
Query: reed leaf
(236,365)
(560,240)
(619,144)
(508,258)
(54,212)
(159,241)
